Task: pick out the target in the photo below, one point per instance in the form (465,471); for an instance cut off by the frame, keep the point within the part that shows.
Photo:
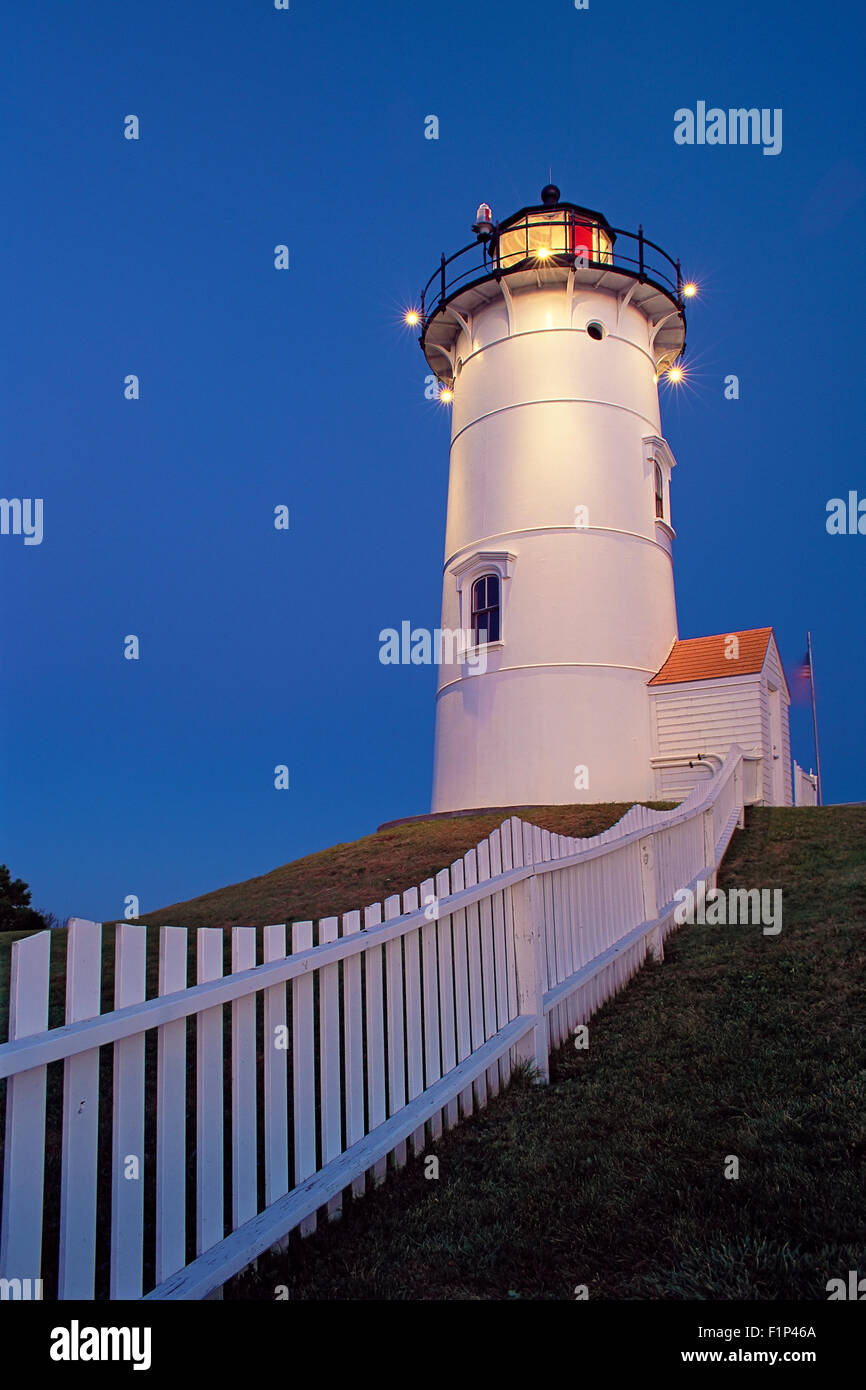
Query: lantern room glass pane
(603,250)
(539,231)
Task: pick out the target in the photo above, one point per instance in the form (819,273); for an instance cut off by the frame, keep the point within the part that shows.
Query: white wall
(695,717)
(545,419)
(773,674)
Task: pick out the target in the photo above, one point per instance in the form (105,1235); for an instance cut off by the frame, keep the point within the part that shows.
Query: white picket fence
(315,1068)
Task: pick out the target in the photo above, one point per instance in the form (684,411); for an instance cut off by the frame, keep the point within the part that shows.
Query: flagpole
(814,718)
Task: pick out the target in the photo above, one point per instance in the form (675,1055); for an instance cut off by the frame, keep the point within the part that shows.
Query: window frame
(657,455)
(466,571)
(476,612)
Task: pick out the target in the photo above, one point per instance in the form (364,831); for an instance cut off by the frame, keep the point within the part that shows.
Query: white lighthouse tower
(551,329)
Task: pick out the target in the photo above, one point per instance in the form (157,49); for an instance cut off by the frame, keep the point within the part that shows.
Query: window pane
(485,609)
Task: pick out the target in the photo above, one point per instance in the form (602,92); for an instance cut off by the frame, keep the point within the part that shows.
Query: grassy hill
(333,881)
(366,871)
(613,1176)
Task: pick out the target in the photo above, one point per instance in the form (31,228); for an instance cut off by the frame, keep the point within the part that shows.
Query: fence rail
(196,1128)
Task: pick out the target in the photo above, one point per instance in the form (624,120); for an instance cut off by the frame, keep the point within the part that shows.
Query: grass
(613,1176)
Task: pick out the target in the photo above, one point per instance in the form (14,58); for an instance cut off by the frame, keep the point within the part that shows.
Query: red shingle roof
(704,659)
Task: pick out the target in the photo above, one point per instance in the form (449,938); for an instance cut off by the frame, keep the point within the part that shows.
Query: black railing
(501,253)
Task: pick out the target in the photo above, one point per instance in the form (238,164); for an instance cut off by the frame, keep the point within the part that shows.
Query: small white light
(690,289)
(446,395)
(412,317)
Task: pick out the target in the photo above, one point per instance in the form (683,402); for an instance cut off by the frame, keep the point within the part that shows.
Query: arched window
(485,609)
(660,492)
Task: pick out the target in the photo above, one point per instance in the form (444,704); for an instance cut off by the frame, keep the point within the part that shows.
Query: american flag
(801,684)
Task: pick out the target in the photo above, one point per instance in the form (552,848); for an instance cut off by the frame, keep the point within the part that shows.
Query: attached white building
(715,691)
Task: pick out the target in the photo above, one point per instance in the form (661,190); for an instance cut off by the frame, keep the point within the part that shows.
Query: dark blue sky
(261,387)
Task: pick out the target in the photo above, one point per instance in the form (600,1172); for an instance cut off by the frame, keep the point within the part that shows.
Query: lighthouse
(549,333)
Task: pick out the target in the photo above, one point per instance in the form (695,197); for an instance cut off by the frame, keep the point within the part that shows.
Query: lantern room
(554,230)
(552,243)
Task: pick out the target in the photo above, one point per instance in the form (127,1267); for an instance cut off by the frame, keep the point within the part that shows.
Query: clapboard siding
(702,717)
(675,783)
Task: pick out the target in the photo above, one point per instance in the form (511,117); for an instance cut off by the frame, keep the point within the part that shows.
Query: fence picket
(375,1020)
(245,1200)
(304,1069)
(353,1044)
(445,949)
(24,1155)
(500,983)
(430,987)
(171,1112)
(559,936)
(512,857)
(80,1118)
(276,1069)
(414,1023)
(567,937)
(330,1086)
(209,1097)
(476,991)
(461,983)
(593,929)
(396,1038)
(508,862)
(127,1149)
(488,965)
(532,854)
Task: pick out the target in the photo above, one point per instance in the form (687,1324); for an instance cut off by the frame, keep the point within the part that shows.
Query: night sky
(303,388)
